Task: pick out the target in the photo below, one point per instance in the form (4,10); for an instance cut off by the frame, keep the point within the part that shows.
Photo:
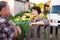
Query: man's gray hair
(2,4)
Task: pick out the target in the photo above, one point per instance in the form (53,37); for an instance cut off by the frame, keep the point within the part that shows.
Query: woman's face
(34,12)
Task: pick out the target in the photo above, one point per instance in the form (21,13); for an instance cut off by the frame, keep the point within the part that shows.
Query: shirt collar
(1,16)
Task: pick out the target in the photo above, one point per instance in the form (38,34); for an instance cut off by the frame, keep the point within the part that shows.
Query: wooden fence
(41,32)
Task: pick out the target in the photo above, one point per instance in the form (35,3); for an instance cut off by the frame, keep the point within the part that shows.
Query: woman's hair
(2,4)
(37,8)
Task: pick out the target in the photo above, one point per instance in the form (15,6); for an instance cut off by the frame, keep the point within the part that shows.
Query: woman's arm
(41,22)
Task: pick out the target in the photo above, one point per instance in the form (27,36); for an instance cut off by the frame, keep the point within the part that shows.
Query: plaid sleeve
(10,31)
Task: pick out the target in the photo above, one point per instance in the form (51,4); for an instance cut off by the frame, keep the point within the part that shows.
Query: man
(8,30)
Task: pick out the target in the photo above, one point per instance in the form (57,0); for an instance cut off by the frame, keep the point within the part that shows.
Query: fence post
(48,32)
(58,33)
(35,32)
(41,33)
(28,37)
(54,31)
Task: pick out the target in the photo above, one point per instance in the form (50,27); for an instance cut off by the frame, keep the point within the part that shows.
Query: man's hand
(17,29)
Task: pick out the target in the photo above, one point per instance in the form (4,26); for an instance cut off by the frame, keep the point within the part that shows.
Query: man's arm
(9,31)
(17,28)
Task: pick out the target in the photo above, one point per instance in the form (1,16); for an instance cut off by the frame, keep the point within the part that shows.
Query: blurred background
(21,12)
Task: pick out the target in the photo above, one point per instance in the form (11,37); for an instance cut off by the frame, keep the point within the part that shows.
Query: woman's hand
(41,22)
(32,24)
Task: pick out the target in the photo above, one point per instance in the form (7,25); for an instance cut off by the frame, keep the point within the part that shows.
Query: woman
(36,11)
